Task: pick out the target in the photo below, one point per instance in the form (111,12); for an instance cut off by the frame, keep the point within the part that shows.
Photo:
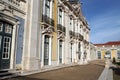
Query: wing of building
(109,50)
(39,34)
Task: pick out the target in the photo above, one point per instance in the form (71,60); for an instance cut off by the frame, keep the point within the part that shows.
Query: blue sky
(103,16)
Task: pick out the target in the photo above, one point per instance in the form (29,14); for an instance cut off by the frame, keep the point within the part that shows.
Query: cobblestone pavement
(90,71)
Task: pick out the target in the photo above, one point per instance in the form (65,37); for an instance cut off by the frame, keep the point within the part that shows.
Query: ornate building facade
(40,34)
(12,20)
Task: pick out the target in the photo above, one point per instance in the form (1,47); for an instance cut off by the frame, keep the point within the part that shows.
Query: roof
(109,43)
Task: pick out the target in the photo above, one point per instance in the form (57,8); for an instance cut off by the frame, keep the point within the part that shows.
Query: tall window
(46,50)
(71,24)
(118,54)
(1,26)
(0,41)
(6,47)
(79,54)
(60,16)
(99,55)
(60,51)
(71,51)
(47,8)
(5,44)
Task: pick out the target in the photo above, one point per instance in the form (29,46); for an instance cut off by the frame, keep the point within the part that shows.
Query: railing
(64,29)
(76,35)
(72,34)
(85,41)
(47,20)
(61,28)
(80,37)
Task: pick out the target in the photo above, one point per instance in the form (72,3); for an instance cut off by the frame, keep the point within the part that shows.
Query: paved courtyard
(90,71)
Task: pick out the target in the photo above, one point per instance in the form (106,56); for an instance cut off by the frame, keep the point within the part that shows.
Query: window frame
(47,8)
(8,49)
(1,27)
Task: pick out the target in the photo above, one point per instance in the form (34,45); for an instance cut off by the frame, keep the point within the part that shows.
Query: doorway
(5,44)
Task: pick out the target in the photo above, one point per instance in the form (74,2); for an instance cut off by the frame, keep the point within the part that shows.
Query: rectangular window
(118,54)
(47,8)
(99,55)
(46,50)
(1,26)
(71,24)
(8,28)
(0,42)
(60,16)
(60,51)
(6,48)
(71,50)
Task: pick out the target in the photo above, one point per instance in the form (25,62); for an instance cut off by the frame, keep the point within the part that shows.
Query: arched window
(108,54)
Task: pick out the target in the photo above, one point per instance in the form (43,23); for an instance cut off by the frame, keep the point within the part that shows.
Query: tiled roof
(109,43)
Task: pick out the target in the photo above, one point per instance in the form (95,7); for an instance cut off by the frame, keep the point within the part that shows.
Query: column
(42,56)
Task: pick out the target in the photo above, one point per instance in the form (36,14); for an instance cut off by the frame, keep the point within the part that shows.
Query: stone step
(3,71)
(8,74)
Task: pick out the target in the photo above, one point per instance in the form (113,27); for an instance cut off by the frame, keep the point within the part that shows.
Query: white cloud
(105,27)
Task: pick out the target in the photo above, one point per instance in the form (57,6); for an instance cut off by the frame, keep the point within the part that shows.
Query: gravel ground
(90,71)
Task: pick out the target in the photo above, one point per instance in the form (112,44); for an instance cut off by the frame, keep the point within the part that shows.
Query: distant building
(108,50)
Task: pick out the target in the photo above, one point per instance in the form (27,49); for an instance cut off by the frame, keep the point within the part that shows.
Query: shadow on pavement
(24,78)
(116,70)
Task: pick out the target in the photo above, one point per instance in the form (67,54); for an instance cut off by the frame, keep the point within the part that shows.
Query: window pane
(48,11)
(1,26)
(60,16)
(47,8)
(0,41)
(8,28)
(99,55)
(70,23)
(48,2)
(46,47)
(118,54)
(60,49)
(6,47)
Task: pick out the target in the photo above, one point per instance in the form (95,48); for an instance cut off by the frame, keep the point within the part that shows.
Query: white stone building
(40,34)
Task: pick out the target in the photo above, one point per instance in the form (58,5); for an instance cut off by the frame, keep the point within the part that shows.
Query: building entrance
(5,44)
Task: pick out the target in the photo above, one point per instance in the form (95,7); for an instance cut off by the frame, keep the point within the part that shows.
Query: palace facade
(40,34)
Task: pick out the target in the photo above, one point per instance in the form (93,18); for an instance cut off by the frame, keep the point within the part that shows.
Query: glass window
(47,8)
(99,55)
(118,54)
(60,16)
(1,26)
(0,42)
(108,54)
(71,51)
(60,51)
(46,50)
(70,23)
(8,28)
(6,47)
